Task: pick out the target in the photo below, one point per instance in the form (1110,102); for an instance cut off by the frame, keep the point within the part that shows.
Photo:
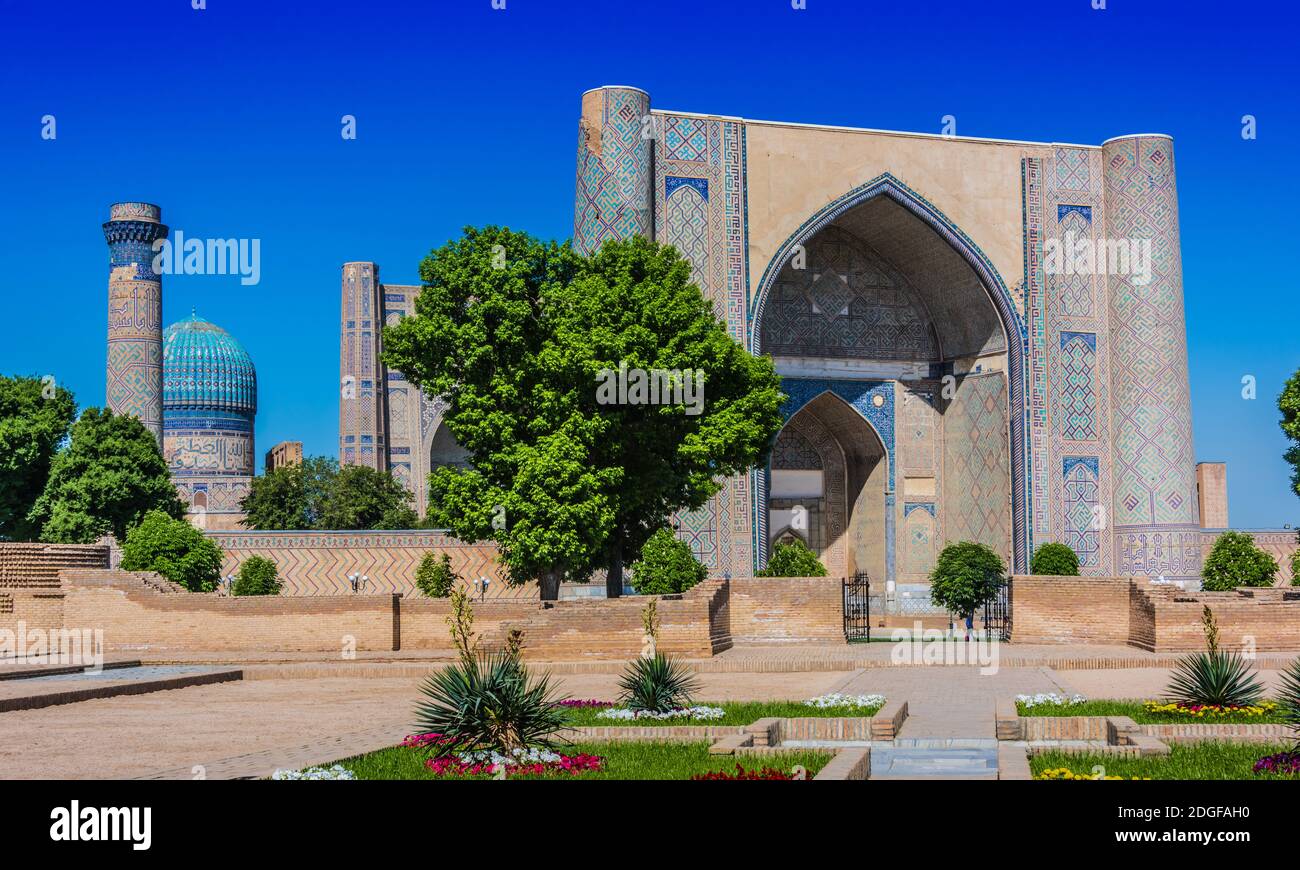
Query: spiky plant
(656,684)
(490,701)
(1288,697)
(1214,677)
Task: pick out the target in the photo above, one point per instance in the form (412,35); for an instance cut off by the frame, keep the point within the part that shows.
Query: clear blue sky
(229,119)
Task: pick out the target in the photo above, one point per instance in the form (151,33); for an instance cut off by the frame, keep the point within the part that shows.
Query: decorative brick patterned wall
(318,563)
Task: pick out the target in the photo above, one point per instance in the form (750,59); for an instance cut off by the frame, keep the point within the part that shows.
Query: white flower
(838,699)
(338,771)
(516,756)
(698,713)
(1050,698)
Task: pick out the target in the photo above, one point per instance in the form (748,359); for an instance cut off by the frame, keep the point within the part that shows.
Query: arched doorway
(828,485)
(881,302)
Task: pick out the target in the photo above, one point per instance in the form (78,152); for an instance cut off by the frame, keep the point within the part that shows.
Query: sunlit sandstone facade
(947,380)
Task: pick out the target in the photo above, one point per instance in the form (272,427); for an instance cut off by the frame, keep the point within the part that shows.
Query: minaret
(135,357)
(1157,531)
(363,414)
(615,188)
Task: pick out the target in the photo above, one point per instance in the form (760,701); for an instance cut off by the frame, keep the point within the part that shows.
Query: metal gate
(857,608)
(997,613)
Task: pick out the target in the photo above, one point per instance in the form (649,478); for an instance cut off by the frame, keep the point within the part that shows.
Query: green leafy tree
(966,575)
(434,577)
(111,474)
(318,494)
(793,559)
(1295,564)
(359,497)
(257,576)
(291,497)
(1055,559)
(516,335)
(667,566)
(174,549)
(35,416)
(1289,404)
(1236,561)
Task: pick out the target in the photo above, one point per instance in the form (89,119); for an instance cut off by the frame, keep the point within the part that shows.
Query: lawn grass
(1201,760)
(1139,714)
(623,760)
(737,713)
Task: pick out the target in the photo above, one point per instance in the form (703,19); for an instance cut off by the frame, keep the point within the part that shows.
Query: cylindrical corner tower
(1156,530)
(615,190)
(135,359)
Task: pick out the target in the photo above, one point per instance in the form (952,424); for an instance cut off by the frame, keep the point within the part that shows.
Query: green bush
(667,566)
(1288,695)
(793,560)
(1295,568)
(257,576)
(1056,560)
(489,702)
(966,575)
(174,549)
(1236,561)
(434,577)
(656,684)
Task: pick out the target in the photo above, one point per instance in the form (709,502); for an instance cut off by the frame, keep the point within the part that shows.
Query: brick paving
(293,711)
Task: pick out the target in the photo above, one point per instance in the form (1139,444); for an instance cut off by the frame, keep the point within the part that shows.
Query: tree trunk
(614,579)
(549,586)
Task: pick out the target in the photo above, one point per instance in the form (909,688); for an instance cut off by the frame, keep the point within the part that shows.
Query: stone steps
(935,762)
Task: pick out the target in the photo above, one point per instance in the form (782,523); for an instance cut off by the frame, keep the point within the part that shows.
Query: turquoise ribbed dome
(206,369)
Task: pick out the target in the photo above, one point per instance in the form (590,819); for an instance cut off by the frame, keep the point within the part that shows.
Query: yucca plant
(656,684)
(1214,677)
(490,701)
(1288,697)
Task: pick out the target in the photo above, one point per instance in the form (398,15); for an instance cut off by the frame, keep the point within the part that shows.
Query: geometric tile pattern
(1082,534)
(1154,499)
(614,171)
(134,374)
(1076,393)
(846,302)
(686,138)
(976,465)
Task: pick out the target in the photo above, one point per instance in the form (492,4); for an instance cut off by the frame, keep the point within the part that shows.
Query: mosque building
(193,385)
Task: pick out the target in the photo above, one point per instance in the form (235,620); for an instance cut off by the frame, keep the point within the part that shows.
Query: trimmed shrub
(1056,560)
(966,575)
(257,576)
(174,549)
(1295,568)
(434,577)
(793,560)
(667,566)
(1236,561)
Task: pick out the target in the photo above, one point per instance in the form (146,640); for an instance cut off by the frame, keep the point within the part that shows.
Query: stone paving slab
(259,765)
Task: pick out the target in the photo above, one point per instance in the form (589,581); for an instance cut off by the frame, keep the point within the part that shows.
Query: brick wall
(1070,610)
(38,565)
(786,609)
(135,616)
(1135,612)
(142,612)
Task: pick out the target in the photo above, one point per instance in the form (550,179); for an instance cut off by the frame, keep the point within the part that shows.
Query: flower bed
(617,760)
(766,773)
(1066,773)
(733,712)
(1205,760)
(337,771)
(1147,712)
